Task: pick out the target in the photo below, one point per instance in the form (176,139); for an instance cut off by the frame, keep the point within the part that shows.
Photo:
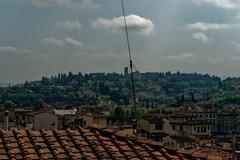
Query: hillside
(103,89)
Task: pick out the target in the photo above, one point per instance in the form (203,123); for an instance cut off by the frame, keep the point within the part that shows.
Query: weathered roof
(71,145)
(153,118)
(79,144)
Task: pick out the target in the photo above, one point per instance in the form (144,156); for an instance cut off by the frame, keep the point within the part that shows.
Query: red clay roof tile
(80,144)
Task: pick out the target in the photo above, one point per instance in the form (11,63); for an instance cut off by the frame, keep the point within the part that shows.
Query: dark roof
(155,118)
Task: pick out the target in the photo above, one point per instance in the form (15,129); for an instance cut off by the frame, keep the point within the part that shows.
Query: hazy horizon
(43,38)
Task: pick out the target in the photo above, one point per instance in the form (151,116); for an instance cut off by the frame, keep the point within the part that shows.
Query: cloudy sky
(44,37)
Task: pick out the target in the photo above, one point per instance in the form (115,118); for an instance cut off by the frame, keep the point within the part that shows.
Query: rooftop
(79,144)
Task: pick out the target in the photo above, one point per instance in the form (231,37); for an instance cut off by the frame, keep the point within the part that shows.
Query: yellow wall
(100,121)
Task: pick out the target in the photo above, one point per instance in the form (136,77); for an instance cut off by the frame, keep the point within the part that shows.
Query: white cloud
(69,25)
(186,58)
(8,49)
(54,41)
(64,3)
(63,41)
(182,56)
(210,26)
(74,42)
(216,60)
(134,22)
(200,36)
(226,4)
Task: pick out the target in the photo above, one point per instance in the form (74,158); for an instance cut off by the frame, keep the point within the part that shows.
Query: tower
(125,71)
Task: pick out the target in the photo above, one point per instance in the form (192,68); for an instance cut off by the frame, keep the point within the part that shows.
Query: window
(181,128)
(158,126)
(174,127)
(81,122)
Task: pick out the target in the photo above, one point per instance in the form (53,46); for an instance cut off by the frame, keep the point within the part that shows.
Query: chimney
(6,120)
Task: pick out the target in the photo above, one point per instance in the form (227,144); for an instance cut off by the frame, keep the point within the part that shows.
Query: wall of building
(143,124)
(201,129)
(87,120)
(100,121)
(45,120)
(169,141)
(151,127)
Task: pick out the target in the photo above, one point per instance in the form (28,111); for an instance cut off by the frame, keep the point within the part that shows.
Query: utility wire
(130,56)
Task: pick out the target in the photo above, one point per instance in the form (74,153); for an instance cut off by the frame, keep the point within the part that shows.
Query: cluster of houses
(48,119)
(184,127)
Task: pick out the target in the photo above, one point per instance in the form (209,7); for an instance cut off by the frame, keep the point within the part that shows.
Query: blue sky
(44,37)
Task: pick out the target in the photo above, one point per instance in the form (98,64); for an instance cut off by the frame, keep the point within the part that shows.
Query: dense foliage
(101,89)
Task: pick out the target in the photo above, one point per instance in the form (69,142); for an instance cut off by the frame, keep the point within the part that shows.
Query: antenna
(130,56)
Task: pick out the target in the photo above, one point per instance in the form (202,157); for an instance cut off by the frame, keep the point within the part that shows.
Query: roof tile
(80,144)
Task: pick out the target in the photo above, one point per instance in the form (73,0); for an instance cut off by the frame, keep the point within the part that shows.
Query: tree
(9,104)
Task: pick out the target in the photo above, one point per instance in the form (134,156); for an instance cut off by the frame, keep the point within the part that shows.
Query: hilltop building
(125,71)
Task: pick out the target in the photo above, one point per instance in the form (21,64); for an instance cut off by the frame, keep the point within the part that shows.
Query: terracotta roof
(71,145)
(79,144)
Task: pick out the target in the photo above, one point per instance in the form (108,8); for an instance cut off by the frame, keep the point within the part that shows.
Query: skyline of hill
(152,89)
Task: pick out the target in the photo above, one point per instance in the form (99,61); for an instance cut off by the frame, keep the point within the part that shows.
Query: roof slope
(81,144)
(71,145)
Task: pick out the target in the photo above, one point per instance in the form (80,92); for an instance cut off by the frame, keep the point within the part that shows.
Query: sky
(43,37)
